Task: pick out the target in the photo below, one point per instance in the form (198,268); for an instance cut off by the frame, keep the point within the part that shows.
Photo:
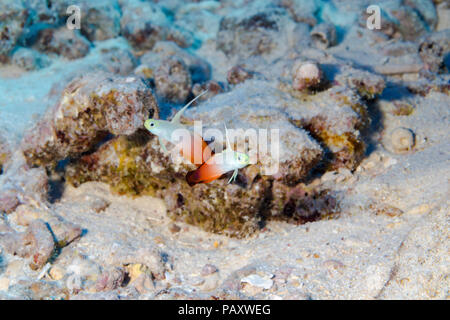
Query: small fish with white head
(219,164)
(196,151)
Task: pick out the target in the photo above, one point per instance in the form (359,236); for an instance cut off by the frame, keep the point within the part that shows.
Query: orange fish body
(216,166)
(196,150)
(207,172)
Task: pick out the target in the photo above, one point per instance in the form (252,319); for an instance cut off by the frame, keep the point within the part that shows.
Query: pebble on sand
(402,139)
(307,75)
(256,280)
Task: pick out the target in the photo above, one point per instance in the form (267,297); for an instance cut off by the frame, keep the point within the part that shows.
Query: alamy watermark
(74,19)
(261,145)
(374,19)
(372,22)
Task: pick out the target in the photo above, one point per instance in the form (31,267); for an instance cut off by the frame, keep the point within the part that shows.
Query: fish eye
(150,124)
(241,158)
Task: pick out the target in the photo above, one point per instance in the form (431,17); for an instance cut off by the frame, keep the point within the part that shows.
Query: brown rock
(63,41)
(90,106)
(238,74)
(173,80)
(212,86)
(209,269)
(8,201)
(36,242)
(110,279)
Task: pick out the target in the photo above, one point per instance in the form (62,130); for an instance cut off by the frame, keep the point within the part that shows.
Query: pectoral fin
(233,177)
(162,145)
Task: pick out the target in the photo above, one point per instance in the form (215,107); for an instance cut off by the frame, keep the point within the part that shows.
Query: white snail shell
(402,139)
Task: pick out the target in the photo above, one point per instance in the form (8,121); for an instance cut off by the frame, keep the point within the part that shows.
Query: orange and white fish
(196,150)
(217,165)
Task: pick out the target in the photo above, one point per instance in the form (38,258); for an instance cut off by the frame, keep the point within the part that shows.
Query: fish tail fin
(191,178)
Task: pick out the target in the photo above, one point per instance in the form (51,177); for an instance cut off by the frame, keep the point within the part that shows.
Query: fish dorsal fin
(226,137)
(177,117)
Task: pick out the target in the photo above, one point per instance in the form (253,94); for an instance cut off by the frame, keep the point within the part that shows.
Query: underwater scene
(218,150)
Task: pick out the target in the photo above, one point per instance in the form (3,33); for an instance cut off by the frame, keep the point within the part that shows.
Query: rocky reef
(145,23)
(96,124)
(309,136)
(89,108)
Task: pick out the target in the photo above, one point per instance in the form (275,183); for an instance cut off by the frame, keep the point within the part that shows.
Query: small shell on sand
(402,140)
(306,74)
(238,74)
(323,36)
